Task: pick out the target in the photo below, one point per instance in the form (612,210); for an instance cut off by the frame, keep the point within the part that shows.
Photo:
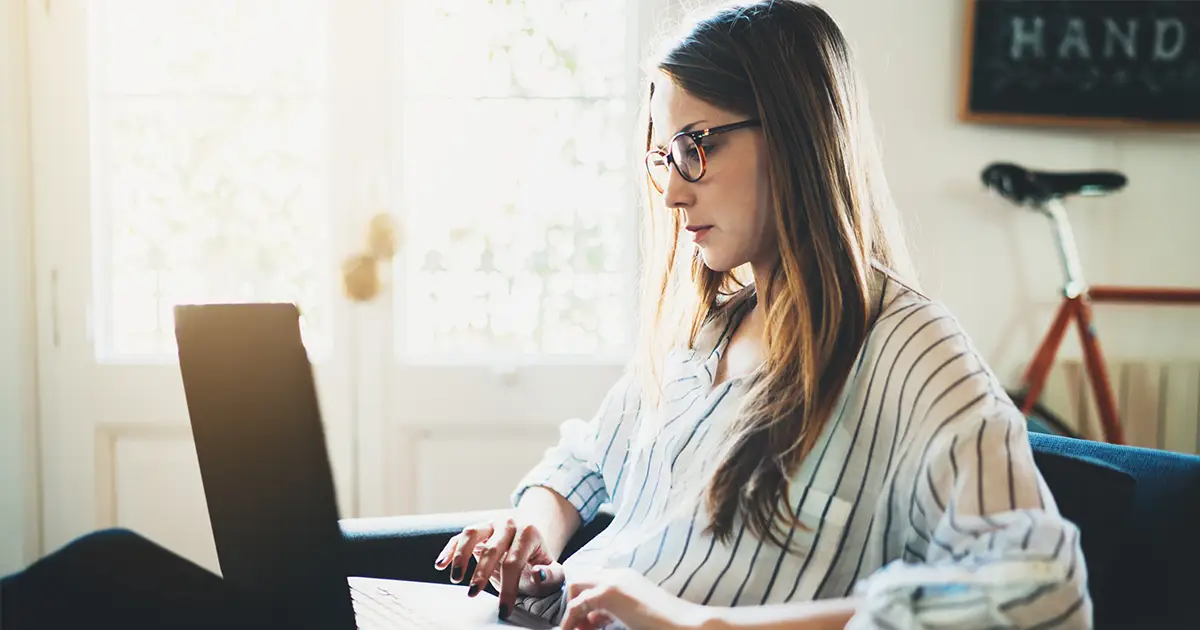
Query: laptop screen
(261,447)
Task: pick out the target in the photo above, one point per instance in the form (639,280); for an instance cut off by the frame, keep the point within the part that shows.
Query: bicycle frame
(1077,300)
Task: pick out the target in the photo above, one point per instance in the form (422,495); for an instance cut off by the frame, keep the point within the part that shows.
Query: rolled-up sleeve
(575,466)
(985,546)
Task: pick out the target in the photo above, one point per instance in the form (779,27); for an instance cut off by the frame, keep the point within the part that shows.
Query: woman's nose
(677,192)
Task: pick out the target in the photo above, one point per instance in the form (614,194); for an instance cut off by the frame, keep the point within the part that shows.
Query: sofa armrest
(588,532)
(404,547)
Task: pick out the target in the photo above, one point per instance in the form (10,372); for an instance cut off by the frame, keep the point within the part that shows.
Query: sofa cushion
(1147,575)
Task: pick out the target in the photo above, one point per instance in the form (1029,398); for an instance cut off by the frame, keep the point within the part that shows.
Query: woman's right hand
(509,553)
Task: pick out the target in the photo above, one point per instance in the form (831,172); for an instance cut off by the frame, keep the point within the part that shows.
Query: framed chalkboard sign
(1082,63)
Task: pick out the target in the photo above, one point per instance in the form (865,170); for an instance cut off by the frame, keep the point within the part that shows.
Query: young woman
(804,439)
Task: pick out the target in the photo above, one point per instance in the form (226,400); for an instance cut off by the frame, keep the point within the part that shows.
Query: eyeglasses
(686,153)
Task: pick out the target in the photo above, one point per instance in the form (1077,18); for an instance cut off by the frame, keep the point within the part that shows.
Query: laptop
(267,480)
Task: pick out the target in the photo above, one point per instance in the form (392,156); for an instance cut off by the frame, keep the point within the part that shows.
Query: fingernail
(456,574)
(503,612)
(473,591)
(441,560)
(541,575)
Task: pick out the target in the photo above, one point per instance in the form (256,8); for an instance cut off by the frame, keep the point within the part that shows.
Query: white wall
(18,505)
(992,263)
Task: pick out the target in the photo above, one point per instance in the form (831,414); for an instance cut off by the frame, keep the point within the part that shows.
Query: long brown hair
(787,64)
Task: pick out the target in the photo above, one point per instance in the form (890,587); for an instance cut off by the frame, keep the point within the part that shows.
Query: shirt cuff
(582,487)
(904,596)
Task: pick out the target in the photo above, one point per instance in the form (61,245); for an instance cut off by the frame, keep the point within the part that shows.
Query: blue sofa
(1138,511)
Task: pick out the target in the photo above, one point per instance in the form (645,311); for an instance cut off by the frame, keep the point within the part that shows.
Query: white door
(184,151)
(238,150)
(511,307)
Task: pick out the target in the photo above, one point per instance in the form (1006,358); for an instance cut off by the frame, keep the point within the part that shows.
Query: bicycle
(1044,192)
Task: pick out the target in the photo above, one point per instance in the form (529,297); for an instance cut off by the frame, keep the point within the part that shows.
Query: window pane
(210,46)
(209,163)
(518,227)
(530,48)
(516,198)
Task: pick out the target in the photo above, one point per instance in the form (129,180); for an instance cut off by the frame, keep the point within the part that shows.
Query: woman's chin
(715,261)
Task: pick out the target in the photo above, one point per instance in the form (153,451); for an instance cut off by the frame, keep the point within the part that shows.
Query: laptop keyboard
(379,608)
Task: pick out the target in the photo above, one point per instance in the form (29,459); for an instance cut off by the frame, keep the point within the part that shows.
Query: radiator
(1158,401)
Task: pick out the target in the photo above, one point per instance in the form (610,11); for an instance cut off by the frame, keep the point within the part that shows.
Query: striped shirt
(921,495)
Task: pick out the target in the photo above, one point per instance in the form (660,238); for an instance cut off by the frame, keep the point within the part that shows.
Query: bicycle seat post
(1067,251)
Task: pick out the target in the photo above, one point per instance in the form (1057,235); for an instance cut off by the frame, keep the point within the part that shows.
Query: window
(516,177)
(214,144)
(208,163)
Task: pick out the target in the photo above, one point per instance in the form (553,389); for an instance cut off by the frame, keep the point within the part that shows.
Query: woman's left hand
(626,596)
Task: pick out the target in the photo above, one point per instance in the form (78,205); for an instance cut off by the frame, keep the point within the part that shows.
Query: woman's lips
(699,232)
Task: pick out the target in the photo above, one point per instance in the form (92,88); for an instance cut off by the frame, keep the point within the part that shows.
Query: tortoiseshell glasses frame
(686,154)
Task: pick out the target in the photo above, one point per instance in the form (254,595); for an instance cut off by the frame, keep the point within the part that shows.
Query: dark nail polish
(541,575)
(473,591)
(440,561)
(456,574)
(503,612)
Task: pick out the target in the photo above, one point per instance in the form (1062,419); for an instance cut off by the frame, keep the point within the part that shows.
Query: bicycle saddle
(1018,184)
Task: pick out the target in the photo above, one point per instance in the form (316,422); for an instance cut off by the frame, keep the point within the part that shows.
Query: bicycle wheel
(1042,420)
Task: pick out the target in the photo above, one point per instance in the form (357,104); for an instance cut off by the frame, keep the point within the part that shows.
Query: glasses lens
(687,157)
(656,166)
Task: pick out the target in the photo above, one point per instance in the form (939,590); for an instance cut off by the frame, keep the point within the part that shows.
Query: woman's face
(728,212)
